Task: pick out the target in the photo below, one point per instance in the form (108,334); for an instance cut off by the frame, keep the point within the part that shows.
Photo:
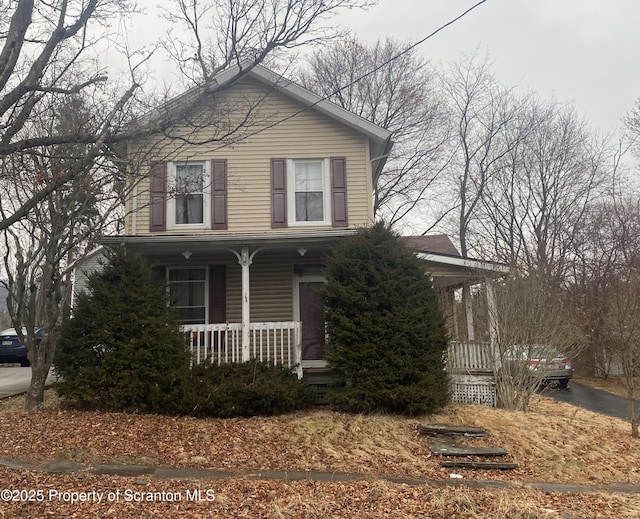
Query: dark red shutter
(217,293)
(339,216)
(278,193)
(158,197)
(219,194)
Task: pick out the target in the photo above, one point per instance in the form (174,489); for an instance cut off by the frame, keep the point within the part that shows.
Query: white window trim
(206,196)
(291,193)
(206,285)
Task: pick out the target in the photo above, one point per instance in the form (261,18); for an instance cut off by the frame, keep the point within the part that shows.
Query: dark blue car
(12,350)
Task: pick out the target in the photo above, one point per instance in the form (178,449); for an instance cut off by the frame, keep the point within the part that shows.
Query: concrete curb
(69,467)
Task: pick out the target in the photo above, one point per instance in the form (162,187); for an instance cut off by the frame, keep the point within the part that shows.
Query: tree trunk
(35,394)
(632,412)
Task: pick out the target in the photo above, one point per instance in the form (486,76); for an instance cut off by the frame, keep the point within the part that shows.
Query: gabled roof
(434,243)
(380,139)
(306,97)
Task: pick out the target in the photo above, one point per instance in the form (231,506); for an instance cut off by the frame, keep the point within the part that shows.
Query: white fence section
(469,357)
(470,367)
(276,342)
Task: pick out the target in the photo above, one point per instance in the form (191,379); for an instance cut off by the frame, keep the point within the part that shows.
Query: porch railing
(470,366)
(469,357)
(276,342)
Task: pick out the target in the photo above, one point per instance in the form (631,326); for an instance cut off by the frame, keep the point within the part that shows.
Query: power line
(360,78)
(373,70)
(409,48)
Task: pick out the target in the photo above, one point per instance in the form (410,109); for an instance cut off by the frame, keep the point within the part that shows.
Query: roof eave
(490,268)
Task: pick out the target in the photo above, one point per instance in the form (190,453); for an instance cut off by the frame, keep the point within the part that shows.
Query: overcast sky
(584,51)
(580,50)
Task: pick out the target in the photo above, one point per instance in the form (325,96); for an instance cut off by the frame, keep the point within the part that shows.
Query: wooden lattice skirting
(473,389)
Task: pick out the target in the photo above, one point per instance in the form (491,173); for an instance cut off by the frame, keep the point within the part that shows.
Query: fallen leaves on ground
(101,496)
(553,442)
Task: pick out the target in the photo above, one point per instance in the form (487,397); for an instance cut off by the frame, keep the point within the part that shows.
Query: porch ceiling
(162,245)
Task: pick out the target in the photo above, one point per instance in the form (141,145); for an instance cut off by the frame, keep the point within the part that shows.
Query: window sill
(309,224)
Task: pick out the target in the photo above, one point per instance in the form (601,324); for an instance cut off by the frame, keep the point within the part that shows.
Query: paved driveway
(593,399)
(15,380)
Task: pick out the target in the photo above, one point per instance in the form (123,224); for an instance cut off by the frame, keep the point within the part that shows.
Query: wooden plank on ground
(485,465)
(448,449)
(459,430)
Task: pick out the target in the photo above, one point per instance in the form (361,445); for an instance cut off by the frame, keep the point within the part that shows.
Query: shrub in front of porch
(245,389)
(123,350)
(386,334)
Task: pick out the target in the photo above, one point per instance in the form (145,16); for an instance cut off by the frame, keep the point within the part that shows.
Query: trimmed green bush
(386,334)
(123,350)
(247,389)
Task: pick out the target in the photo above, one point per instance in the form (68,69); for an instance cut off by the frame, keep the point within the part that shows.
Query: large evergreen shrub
(386,334)
(246,389)
(122,350)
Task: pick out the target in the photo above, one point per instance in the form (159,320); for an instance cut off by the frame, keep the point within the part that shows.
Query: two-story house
(240,224)
(241,229)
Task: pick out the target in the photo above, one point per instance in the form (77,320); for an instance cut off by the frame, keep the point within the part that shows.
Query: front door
(312,316)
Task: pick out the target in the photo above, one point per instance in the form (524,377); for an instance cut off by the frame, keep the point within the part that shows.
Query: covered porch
(249,296)
(464,285)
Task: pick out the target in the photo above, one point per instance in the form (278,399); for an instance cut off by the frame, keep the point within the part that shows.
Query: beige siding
(271,280)
(270,285)
(307,134)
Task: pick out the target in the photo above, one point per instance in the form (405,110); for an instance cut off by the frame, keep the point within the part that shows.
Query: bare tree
(532,209)
(535,325)
(396,90)
(483,115)
(44,244)
(621,331)
(43,57)
(608,284)
(211,35)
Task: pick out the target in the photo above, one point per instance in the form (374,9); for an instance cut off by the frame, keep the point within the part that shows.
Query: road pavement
(593,400)
(15,380)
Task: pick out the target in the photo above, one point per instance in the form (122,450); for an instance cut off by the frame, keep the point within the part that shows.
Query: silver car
(545,363)
(554,366)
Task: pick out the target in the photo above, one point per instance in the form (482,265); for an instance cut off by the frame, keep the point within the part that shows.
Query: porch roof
(455,271)
(180,243)
(447,270)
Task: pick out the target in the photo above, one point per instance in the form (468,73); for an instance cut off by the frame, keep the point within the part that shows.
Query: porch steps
(441,439)
(483,465)
(455,450)
(435,429)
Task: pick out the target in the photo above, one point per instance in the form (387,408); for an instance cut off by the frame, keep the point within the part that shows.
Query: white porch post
(245,263)
(245,260)
(493,313)
(468,311)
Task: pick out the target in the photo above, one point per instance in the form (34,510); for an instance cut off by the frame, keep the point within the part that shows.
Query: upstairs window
(189,186)
(309,192)
(309,187)
(189,193)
